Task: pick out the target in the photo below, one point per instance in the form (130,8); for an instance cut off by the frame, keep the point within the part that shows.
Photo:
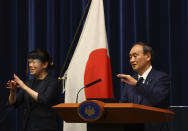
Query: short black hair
(43,56)
(146,49)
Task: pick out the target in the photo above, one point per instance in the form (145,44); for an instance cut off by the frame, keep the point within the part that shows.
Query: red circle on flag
(98,67)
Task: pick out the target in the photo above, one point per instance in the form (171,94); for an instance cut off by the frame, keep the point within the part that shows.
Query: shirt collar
(145,73)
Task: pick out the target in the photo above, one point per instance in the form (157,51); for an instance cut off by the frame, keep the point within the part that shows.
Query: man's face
(138,60)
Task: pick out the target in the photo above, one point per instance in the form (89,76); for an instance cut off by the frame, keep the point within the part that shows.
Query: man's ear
(148,56)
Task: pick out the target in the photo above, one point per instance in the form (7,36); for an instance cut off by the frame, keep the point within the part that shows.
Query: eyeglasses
(33,61)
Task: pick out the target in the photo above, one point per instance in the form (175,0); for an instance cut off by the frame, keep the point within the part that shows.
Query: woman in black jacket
(37,95)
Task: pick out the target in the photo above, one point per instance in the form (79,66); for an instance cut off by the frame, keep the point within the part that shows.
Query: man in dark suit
(148,87)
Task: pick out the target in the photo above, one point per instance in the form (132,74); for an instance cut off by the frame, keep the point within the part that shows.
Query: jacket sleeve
(19,98)
(123,95)
(50,95)
(157,92)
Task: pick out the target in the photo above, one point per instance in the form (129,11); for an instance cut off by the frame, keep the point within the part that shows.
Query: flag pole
(76,35)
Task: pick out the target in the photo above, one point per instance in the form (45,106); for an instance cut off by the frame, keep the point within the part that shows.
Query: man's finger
(121,75)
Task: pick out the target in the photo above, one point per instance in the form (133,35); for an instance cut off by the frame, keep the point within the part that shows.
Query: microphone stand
(88,85)
(78,93)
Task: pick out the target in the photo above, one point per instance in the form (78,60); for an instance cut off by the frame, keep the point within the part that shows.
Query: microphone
(92,83)
(88,85)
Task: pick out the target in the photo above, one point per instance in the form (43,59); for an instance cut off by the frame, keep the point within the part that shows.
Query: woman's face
(36,67)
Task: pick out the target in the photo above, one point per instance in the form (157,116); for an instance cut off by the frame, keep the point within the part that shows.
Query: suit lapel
(147,82)
(149,78)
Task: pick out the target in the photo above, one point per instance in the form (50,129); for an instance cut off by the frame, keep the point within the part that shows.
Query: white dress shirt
(145,74)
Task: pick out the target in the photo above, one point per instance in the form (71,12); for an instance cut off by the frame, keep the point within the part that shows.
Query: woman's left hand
(20,83)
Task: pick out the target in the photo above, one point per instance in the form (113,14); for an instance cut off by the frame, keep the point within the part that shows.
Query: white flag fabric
(90,62)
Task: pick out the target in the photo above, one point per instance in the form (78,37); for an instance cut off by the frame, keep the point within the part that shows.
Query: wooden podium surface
(117,113)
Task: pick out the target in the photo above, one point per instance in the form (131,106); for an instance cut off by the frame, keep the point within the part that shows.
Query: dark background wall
(50,24)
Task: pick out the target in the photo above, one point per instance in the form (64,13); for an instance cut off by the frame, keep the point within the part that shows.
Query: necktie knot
(140,80)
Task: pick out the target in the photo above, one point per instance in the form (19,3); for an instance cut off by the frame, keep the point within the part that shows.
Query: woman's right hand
(11,85)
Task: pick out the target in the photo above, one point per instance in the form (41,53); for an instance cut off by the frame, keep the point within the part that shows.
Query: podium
(116,114)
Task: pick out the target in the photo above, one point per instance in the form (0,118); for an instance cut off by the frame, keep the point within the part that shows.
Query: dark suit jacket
(39,115)
(154,92)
